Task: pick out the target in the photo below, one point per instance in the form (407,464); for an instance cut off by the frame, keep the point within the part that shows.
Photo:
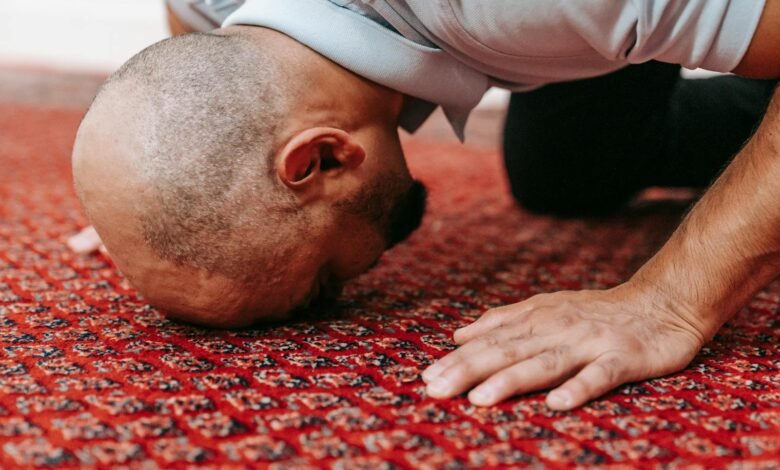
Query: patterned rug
(91,376)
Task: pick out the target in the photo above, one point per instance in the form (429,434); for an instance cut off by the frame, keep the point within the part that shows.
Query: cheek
(286,291)
(347,269)
(359,259)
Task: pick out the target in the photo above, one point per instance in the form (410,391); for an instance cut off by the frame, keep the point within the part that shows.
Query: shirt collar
(377,53)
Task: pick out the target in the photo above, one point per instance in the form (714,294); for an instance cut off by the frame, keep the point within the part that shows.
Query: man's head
(233,175)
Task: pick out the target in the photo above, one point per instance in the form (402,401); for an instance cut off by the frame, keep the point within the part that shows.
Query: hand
(86,241)
(588,341)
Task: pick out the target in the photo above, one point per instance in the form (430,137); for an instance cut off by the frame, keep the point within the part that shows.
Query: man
(233,174)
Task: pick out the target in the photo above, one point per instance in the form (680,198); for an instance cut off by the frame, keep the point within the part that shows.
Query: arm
(729,245)
(589,342)
(762,59)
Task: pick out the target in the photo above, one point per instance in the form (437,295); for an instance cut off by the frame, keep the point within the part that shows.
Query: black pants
(586,147)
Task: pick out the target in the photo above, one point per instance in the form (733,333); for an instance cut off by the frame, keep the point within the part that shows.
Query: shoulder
(522,27)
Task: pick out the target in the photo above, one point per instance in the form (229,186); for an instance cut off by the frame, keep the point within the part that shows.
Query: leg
(586,147)
(709,121)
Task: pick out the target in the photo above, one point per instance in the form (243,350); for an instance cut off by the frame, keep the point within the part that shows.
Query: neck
(362,102)
(345,101)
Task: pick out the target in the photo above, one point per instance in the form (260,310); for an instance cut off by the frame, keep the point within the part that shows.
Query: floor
(92,377)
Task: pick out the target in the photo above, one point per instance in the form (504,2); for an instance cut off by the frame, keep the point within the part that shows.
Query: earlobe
(315,151)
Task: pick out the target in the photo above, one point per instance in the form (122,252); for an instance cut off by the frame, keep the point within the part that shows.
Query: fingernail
(559,399)
(438,387)
(431,372)
(481,396)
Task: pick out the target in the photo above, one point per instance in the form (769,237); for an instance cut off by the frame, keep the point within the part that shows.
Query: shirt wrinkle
(449,52)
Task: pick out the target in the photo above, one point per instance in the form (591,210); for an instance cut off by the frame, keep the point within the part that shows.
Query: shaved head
(181,163)
(209,132)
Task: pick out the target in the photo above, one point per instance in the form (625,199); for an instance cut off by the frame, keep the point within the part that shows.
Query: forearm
(762,59)
(728,247)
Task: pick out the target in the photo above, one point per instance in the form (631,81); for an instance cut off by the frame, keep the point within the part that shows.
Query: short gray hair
(211,105)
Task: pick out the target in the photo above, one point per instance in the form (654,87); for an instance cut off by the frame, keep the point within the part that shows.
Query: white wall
(78,35)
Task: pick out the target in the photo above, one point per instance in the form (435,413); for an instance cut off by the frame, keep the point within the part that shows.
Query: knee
(537,194)
(562,190)
(539,167)
(557,166)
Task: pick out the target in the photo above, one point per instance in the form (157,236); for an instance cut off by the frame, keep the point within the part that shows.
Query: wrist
(704,279)
(662,295)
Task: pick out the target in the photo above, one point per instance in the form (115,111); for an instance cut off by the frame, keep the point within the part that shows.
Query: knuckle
(461,370)
(566,321)
(502,383)
(489,339)
(610,369)
(549,360)
(510,351)
(553,359)
(445,362)
(519,338)
(595,330)
(614,343)
(453,359)
(456,373)
(580,387)
(629,344)
(494,314)
(488,314)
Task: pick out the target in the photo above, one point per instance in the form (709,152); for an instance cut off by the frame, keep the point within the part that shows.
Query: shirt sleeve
(709,34)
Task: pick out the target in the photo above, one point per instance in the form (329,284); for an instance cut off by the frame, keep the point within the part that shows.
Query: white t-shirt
(449,52)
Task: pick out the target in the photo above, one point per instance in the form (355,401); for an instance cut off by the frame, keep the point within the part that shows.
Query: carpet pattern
(92,376)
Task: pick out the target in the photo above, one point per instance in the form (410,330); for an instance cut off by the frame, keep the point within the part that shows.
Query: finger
(544,370)
(460,354)
(472,368)
(489,339)
(85,241)
(494,318)
(596,379)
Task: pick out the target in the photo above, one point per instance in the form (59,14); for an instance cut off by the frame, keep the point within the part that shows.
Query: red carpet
(91,376)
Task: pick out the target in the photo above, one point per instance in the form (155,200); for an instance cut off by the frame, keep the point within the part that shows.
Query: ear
(316,152)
